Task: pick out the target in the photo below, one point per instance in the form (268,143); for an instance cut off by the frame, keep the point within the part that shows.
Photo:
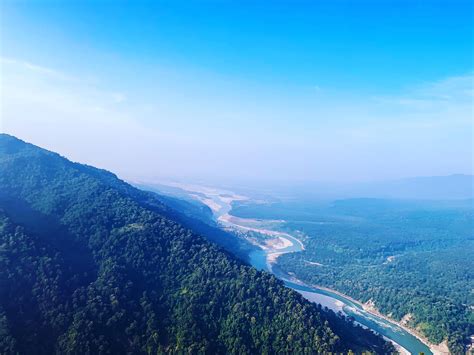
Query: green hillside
(92,265)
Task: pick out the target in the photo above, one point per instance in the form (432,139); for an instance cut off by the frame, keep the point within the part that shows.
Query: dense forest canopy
(92,265)
(412,259)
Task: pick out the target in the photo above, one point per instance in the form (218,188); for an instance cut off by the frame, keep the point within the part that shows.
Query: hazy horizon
(220,91)
(236,177)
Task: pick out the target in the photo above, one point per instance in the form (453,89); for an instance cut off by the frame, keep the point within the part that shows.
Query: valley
(272,243)
(92,265)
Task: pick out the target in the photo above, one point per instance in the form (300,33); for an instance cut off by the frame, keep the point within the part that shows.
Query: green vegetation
(413,259)
(91,265)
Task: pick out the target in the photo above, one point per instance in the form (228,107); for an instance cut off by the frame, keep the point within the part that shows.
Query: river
(221,205)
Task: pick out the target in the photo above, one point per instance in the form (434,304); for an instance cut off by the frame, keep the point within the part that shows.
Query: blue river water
(390,330)
(386,328)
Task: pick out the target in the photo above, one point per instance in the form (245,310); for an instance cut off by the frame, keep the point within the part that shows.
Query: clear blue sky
(329,90)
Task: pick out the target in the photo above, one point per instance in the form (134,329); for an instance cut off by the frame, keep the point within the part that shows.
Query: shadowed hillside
(89,264)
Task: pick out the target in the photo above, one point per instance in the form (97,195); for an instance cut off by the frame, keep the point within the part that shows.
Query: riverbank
(281,243)
(436,349)
(400,349)
(369,307)
(274,251)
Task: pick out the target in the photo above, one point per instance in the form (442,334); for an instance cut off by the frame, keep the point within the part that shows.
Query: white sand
(325,301)
(313,263)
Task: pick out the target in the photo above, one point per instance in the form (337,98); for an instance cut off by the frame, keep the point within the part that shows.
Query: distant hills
(91,265)
(450,187)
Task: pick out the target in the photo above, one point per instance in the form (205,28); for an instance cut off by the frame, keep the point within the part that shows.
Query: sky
(243,90)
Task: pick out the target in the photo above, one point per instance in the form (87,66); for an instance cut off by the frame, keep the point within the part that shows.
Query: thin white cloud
(24,80)
(454,88)
(37,68)
(236,136)
(456,91)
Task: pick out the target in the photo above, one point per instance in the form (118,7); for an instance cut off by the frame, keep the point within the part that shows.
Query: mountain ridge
(107,270)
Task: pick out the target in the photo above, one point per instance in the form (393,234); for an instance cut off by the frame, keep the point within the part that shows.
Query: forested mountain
(411,259)
(199,218)
(92,265)
(449,187)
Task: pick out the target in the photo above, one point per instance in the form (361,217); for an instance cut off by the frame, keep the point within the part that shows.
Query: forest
(91,265)
(412,259)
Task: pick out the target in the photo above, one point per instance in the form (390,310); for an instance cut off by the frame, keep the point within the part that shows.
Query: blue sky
(286,90)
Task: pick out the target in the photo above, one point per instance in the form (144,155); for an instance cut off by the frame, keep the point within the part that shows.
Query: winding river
(220,203)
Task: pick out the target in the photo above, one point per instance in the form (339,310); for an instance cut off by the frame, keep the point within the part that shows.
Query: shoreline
(272,255)
(436,349)
(398,347)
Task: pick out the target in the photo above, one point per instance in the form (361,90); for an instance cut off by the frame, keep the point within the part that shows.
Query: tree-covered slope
(411,259)
(89,264)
